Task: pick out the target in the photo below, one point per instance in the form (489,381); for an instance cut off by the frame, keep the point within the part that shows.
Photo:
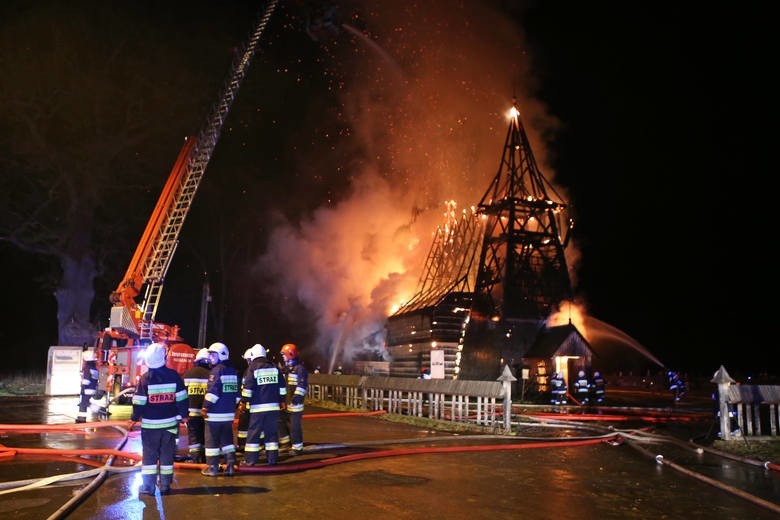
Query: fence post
(507,379)
(723,380)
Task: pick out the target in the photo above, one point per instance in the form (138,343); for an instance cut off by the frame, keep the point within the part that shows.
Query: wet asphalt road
(394,473)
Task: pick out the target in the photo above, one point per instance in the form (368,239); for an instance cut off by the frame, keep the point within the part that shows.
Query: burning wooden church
(493,276)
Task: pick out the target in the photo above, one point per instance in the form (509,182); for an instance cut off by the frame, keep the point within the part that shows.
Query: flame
(403,297)
(352,259)
(570,312)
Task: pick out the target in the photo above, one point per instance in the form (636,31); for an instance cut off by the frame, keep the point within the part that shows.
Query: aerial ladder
(132,324)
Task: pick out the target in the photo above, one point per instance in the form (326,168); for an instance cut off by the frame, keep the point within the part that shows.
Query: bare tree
(95,105)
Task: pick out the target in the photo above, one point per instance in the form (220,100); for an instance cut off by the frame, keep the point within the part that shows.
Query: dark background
(661,122)
(665,114)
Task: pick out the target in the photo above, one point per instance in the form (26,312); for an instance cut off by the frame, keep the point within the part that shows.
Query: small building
(558,349)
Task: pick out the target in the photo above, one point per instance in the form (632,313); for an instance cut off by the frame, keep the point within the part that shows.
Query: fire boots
(230,464)
(196,456)
(271,456)
(165,484)
(147,488)
(212,470)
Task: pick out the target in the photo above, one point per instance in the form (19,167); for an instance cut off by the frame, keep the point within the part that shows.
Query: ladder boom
(155,251)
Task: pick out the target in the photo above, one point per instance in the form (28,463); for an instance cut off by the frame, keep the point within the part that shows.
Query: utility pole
(205,299)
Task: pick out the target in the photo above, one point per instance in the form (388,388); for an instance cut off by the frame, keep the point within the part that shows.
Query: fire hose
(635,437)
(611,436)
(99,473)
(660,459)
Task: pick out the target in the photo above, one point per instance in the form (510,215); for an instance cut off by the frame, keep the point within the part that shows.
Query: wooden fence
(745,410)
(755,409)
(478,402)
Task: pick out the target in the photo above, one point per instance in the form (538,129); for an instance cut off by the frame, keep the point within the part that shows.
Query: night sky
(345,142)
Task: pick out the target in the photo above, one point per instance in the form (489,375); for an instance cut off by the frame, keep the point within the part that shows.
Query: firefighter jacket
(160,399)
(297,383)
(558,385)
(582,386)
(264,386)
(89,378)
(196,379)
(599,386)
(222,393)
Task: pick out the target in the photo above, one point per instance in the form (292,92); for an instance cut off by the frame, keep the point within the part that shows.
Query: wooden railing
(756,409)
(479,402)
(746,410)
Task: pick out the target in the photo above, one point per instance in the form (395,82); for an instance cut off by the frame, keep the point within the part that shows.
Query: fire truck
(132,324)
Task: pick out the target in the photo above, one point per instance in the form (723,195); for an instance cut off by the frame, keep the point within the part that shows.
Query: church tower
(522,274)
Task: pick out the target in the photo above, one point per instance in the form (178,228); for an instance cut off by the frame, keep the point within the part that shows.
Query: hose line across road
(393,470)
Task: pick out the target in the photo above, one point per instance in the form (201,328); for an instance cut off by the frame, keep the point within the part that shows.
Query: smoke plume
(424,89)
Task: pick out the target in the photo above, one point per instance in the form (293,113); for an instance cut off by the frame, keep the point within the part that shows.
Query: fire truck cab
(120,365)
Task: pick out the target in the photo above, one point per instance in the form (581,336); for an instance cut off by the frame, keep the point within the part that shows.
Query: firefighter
(676,384)
(196,379)
(160,403)
(89,382)
(242,412)
(297,384)
(599,388)
(557,389)
(582,388)
(219,409)
(263,393)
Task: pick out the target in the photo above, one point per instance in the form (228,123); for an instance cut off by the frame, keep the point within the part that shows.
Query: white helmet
(155,355)
(581,374)
(255,351)
(202,354)
(88,355)
(221,350)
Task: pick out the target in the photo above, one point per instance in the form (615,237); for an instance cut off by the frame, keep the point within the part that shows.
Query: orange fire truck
(132,324)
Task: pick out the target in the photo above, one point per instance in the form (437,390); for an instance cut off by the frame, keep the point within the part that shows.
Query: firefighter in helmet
(89,382)
(263,394)
(297,383)
(676,384)
(582,388)
(219,408)
(598,388)
(242,411)
(196,379)
(160,403)
(557,389)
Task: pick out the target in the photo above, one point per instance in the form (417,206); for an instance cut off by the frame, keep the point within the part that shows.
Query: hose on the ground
(84,492)
(660,459)
(609,435)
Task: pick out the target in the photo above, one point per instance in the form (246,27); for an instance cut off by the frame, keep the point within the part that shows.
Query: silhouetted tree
(96,103)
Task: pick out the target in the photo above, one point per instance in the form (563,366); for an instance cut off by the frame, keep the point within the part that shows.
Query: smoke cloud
(424,89)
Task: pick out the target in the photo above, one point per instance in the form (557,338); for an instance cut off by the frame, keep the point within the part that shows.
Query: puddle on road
(18,504)
(383,478)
